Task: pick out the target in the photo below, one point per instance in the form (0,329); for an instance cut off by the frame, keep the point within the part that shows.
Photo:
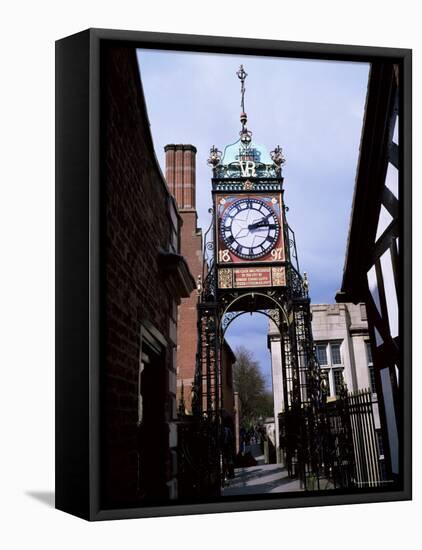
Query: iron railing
(342,452)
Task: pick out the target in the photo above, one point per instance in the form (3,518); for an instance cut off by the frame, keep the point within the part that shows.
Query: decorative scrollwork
(215,156)
(296,284)
(225,278)
(274,315)
(278,276)
(228,318)
(210,286)
(305,283)
(208,245)
(245,136)
(277,156)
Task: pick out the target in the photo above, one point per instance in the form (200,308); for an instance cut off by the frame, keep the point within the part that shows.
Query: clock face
(250,228)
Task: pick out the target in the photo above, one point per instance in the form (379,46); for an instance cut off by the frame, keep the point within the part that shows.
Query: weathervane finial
(245,135)
(241,74)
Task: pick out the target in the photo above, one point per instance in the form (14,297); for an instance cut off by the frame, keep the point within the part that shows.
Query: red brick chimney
(181,174)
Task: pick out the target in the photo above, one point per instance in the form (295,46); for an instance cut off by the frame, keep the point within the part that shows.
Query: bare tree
(255,401)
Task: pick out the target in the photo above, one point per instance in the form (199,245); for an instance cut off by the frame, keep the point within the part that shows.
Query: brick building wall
(180,175)
(191,248)
(181,179)
(144,279)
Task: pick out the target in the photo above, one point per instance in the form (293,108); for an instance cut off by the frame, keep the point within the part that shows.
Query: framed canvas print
(233,274)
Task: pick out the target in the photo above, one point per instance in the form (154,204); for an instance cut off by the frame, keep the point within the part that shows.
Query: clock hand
(261,223)
(258,225)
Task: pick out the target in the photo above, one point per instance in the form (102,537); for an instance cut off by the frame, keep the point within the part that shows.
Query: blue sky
(312,109)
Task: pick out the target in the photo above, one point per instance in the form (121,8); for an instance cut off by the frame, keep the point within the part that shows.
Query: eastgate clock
(250,240)
(250,228)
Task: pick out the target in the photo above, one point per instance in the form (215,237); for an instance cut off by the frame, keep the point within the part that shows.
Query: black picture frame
(78,267)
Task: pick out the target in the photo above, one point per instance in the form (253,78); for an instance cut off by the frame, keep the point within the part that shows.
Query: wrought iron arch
(278,307)
(274,316)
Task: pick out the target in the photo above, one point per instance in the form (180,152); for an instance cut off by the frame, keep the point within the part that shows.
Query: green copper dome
(238,151)
(240,160)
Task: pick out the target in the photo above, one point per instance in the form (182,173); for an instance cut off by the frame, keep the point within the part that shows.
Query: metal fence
(334,448)
(198,457)
(365,444)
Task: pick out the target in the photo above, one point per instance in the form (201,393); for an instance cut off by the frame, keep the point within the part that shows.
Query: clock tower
(251,266)
(250,230)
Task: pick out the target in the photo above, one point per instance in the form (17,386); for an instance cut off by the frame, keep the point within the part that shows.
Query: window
(335,354)
(321,351)
(338,380)
(371,368)
(369,352)
(329,356)
(325,377)
(372,378)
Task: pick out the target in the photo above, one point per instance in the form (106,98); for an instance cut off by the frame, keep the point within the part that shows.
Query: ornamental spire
(241,73)
(245,134)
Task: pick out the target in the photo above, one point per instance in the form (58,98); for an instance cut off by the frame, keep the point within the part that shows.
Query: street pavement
(260,479)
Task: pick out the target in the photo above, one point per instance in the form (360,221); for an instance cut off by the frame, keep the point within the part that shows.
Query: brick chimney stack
(181,174)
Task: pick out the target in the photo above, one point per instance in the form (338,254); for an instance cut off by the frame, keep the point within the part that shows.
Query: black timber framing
(370,180)
(364,251)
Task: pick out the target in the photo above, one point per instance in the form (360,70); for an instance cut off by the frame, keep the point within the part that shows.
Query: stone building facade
(343,349)
(145,279)
(342,345)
